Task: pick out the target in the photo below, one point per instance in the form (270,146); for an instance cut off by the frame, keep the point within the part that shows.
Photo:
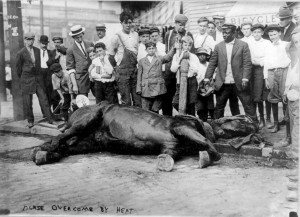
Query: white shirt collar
(232,42)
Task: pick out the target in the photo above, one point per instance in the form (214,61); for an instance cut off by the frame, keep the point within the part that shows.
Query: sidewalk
(271,156)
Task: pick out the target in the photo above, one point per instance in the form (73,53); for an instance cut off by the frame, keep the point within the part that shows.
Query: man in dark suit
(78,61)
(233,59)
(28,61)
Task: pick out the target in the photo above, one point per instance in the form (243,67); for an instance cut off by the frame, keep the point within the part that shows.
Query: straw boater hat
(75,30)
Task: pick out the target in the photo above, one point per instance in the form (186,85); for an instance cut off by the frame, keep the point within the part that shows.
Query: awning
(255,11)
(163,14)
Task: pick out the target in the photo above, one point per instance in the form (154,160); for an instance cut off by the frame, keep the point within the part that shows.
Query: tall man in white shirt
(247,32)
(47,75)
(275,69)
(258,47)
(202,39)
(233,59)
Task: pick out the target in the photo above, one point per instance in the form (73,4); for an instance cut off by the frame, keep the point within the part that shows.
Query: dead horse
(128,130)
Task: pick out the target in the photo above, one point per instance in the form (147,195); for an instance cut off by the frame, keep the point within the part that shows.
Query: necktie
(82,49)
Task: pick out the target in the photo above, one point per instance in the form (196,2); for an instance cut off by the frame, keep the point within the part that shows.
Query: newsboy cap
(57,38)
(203,50)
(29,35)
(202,19)
(100,26)
(55,67)
(219,17)
(150,44)
(144,31)
(229,26)
(275,27)
(258,26)
(181,18)
(285,12)
(154,29)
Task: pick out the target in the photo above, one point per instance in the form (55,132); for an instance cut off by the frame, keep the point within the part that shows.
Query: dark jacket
(240,63)
(52,60)
(288,34)
(29,73)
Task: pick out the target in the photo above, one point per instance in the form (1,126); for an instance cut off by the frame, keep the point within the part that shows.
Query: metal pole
(42,17)
(2,57)
(16,42)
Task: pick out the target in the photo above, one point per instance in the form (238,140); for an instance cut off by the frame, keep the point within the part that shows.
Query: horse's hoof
(41,157)
(33,153)
(165,162)
(204,159)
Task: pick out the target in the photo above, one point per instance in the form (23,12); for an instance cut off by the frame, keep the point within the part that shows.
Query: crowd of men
(260,67)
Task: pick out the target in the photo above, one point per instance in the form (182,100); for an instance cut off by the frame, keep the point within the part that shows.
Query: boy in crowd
(144,38)
(205,101)
(62,84)
(150,82)
(102,74)
(276,64)
(193,74)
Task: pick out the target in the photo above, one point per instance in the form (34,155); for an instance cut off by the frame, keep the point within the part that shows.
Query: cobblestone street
(105,183)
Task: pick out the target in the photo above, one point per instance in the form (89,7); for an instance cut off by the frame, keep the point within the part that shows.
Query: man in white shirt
(276,64)
(47,75)
(258,47)
(123,56)
(101,32)
(144,35)
(211,29)
(247,32)
(219,21)
(202,39)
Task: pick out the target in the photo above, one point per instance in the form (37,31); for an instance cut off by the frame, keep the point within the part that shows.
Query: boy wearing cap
(155,37)
(258,47)
(233,59)
(205,100)
(62,84)
(28,61)
(202,39)
(276,64)
(192,75)
(123,56)
(150,81)
(219,21)
(144,35)
(171,38)
(102,74)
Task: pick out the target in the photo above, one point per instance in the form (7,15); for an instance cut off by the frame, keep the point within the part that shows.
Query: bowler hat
(55,67)
(100,26)
(75,30)
(44,39)
(258,26)
(285,12)
(275,27)
(57,38)
(29,35)
(181,18)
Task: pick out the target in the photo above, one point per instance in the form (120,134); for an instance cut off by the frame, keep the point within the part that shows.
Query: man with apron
(123,57)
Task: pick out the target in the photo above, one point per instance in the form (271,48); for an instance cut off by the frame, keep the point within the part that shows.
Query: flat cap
(202,19)
(275,27)
(217,16)
(229,26)
(285,12)
(258,26)
(100,26)
(57,38)
(154,29)
(29,35)
(150,44)
(203,50)
(144,31)
(296,30)
(181,18)
(55,67)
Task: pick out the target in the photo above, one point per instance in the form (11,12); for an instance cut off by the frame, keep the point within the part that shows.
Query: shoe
(282,122)
(292,196)
(292,186)
(30,124)
(269,123)
(262,123)
(275,129)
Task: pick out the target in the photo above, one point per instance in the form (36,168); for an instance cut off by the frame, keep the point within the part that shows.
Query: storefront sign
(263,19)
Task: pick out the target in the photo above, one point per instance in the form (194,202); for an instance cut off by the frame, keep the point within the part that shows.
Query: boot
(275,129)
(262,123)
(269,123)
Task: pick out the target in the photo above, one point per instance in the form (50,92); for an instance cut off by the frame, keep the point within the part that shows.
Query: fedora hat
(284,12)
(75,30)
